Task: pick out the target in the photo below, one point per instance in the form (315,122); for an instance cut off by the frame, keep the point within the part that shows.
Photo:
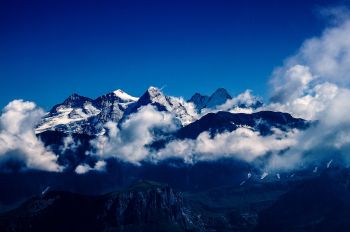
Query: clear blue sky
(50,49)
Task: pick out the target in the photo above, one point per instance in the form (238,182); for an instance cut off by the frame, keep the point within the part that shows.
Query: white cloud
(313,84)
(85,168)
(242,144)
(246,99)
(18,141)
(69,144)
(242,103)
(308,82)
(327,57)
(310,103)
(129,142)
(82,169)
(291,83)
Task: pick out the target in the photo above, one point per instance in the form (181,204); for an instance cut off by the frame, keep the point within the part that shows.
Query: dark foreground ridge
(144,206)
(301,203)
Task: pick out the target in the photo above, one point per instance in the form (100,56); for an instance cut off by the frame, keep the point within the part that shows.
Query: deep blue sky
(49,49)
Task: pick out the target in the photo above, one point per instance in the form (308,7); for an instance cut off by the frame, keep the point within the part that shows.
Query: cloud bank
(314,84)
(18,142)
(242,144)
(129,143)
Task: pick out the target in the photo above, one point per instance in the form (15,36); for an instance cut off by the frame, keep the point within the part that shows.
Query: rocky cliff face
(145,206)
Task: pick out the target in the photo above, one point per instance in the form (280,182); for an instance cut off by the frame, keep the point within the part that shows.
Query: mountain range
(224,194)
(82,115)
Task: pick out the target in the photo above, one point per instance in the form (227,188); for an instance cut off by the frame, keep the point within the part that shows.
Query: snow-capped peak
(124,96)
(154,91)
(78,114)
(177,106)
(154,95)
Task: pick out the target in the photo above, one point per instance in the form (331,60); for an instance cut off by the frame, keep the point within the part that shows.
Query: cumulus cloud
(84,168)
(69,144)
(129,142)
(291,83)
(327,57)
(314,84)
(18,142)
(242,144)
(307,104)
(316,74)
(245,102)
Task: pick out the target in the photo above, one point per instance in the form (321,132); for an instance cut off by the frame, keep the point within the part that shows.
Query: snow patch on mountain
(78,114)
(124,96)
(183,111)
(66,115)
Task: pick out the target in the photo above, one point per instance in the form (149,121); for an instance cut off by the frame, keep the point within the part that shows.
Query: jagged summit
(177,106)
(75,100)
(199,101)
(221,91)
(154,94)
(153,89)
(222,100)
(219,97)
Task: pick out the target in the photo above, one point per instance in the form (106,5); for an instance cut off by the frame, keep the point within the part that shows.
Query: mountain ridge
(79,114)
(143,206)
